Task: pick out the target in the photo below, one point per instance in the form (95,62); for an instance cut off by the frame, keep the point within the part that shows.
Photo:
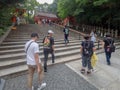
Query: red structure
(46,16)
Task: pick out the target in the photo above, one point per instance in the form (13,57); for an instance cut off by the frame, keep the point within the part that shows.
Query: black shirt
(51,39)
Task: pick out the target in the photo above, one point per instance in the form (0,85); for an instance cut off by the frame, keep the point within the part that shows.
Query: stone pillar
(112,32)
(2,83)
(116,33)
(83,29)
(108,30)
(101,32)
(105,31)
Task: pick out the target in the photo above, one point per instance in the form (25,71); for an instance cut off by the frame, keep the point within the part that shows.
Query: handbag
(94,59)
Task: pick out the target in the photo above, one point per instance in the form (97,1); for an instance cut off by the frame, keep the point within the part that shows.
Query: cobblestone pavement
(58,77)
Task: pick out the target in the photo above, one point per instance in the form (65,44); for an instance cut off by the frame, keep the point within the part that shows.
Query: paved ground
(59,77)
(104,77)
(68,77)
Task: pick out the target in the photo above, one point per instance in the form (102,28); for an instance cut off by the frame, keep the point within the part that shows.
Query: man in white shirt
(33,61)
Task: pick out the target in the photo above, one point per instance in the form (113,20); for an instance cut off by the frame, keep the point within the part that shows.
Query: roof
(47,15)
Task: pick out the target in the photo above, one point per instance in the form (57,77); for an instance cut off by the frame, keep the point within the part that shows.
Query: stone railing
(99,31)
(5,35)
(72,32)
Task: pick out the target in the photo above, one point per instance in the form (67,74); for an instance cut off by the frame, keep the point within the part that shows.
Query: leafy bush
(1,32)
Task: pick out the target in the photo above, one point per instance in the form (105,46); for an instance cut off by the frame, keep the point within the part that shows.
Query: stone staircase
(12,55)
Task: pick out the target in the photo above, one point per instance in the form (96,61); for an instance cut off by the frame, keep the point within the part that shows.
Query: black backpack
(87,48)
(111,47)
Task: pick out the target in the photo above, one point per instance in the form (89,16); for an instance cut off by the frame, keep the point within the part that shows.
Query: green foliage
(1,32)
(66,8)
(8,7)
(99,12)
(99,2)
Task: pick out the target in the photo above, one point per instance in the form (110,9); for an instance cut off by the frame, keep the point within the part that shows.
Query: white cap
(50,31)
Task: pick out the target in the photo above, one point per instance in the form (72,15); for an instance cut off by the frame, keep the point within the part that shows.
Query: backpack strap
(110,43)
(84,43)
(29,46)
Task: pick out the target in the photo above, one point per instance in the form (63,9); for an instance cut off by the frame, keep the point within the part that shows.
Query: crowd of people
(17,20)
(87,49)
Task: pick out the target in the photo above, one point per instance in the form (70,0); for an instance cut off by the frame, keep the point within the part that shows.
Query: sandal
(88,72)
(82,71)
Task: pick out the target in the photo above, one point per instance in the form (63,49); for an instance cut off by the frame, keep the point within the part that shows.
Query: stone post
(102,32)
(112,32)
(108,30)
(2,83)
(116,33)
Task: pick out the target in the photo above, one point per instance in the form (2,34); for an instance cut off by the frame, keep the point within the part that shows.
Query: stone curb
(5,35)
(2,83)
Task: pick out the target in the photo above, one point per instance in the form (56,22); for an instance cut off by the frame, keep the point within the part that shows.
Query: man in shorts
(34,62)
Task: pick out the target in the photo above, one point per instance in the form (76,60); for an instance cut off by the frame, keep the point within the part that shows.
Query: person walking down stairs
(66,35)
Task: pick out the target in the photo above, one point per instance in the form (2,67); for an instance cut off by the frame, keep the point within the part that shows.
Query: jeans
(86,62)
(66,38)
(108,56)
(46,53)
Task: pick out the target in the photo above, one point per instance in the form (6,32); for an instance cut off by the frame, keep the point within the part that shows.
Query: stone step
(21,50)
(26,39)
(22,54)
(57,44)
(21,68)
(61,52)
(40,41)
(8,53)
(15,62)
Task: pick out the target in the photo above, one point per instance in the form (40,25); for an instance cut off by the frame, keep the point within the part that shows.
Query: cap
(34,35)
(50,31)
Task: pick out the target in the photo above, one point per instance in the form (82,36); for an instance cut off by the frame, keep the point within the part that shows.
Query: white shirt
(93,38)
(33,48)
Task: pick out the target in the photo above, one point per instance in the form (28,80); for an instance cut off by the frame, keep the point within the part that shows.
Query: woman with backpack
(87,48)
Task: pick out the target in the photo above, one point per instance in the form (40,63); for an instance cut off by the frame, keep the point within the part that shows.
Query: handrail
(80,33)
(72,30)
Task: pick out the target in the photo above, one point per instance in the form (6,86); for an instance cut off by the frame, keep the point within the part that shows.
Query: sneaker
(32,87)
(43,85)
(45,70)
(53,62)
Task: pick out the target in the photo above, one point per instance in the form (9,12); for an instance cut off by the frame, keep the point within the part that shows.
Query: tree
(66,8)
(94,12)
